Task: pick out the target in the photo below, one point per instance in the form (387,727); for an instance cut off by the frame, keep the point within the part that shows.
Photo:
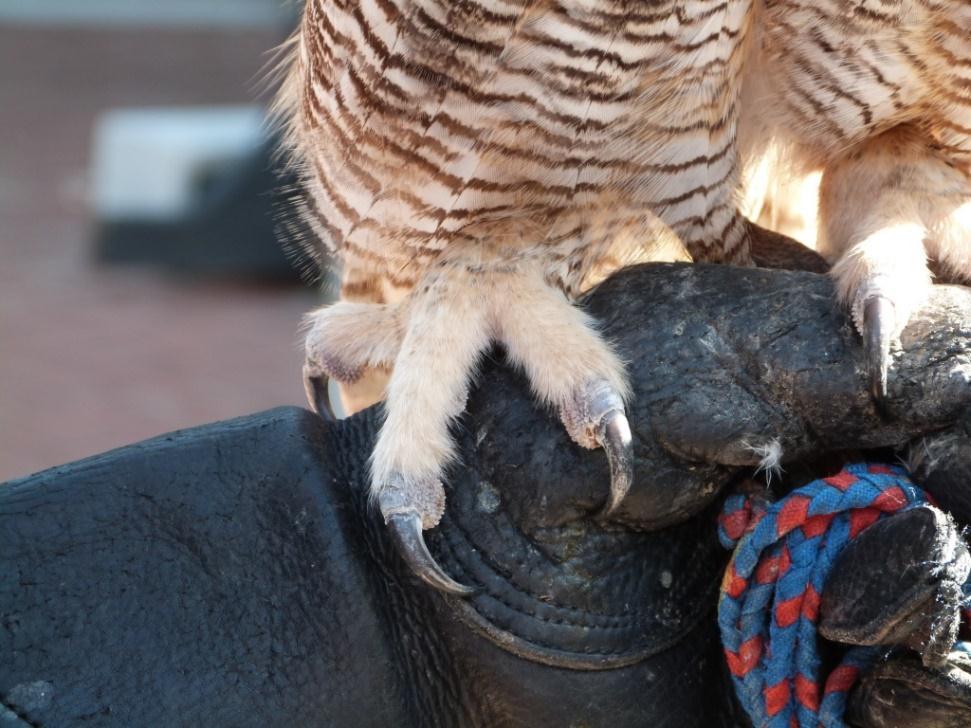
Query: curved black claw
(879,323)
(615,438)
(317,388)
(406,533)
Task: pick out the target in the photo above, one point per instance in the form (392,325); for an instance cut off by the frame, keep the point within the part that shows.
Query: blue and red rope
(770,595)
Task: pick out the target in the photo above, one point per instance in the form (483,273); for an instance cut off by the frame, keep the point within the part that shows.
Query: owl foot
(881,306)
(883,281)
(316,385)
(886,208)
(448,322)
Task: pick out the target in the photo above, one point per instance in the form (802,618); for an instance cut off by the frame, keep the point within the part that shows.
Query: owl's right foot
(883,281)
(886,208)
(435,338)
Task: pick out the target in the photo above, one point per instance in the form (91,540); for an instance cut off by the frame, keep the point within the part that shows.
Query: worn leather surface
(233,574)
(774,250)
(209,577)
(942,462)
(913,599)
(709,384)
(903,693)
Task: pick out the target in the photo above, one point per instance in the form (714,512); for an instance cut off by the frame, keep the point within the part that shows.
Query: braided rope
(770,595)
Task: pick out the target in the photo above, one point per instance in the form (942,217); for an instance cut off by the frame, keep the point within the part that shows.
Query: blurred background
(141,285)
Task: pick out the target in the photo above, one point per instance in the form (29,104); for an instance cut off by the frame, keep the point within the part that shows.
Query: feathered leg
(884,208)
(448,328)
(434,338)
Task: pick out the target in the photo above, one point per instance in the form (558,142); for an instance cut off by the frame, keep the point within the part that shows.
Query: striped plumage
(476,163)
(548,130)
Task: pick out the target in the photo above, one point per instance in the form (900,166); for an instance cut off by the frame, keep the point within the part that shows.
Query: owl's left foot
(887,207)
(881,307)
(433,339)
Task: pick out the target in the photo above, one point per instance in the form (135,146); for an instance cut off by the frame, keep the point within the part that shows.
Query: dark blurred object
(228,230)
(139,13)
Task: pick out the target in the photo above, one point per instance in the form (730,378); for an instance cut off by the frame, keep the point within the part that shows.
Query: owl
(476,165)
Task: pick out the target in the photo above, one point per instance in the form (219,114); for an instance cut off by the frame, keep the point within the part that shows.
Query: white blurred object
(148,164)
(225,13)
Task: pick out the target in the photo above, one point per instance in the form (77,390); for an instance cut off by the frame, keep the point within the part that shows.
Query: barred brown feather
(503,129)
(567,130)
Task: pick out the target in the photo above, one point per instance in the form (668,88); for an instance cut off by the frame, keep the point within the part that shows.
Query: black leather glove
(234,575)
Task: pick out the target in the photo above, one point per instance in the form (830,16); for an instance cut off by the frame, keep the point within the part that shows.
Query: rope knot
(741,512)
(770,594)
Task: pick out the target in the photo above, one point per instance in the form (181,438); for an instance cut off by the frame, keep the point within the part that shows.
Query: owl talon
(316,386)
(594,417)
(879,324)
(614,436)
(409,506)
(406,533)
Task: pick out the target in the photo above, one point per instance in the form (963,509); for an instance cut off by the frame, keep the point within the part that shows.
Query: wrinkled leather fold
(902,692)
(899,583)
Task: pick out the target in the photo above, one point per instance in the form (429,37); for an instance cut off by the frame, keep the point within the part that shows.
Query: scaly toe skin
(409,506)
(879,325)
(595,417)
